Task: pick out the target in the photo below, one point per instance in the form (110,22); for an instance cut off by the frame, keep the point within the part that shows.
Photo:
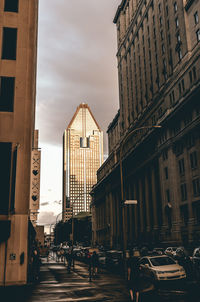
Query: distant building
(159,83)
(18,40)
(40,235)
(82,156)
(35,181)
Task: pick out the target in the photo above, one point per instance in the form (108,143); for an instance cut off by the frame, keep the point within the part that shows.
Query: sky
(76,63)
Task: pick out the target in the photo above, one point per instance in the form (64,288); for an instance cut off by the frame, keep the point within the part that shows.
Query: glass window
(9,46)
(183,192)
(198,35)
(196,18)
(193,160)
(175,7)
(11,6)
(177,22)
(7,88)
(196,186)
(181,166)
(159,261)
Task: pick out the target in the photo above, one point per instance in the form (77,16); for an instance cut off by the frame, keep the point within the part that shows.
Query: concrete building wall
(17,126)
(159,84)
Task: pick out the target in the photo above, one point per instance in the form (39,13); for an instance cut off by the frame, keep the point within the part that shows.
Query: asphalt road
(57,285)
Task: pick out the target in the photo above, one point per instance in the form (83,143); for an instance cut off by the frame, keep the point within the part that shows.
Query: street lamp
(128,202)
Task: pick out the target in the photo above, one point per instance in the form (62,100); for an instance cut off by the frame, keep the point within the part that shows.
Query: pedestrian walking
(69,258)
(134,281)
(35,265)
(62,255)
(58,255)
(95,263)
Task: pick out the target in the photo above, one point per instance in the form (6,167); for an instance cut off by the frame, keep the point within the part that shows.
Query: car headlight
(160,272)
(182,270)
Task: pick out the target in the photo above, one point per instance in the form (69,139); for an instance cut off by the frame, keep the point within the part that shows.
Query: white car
(161,268)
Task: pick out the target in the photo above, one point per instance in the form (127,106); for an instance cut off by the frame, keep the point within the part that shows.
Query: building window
(9,43)
(168,195)
(184,214)
(177,22)
(180,56)
(196,186)
(172,98)
(165,155)
(181,166)
(181,87)
(5,152)
(163,49)
(7,88)
(161,21)
(183,192)
(178,38)
(11,6)
(175,7)
(193,160)
(166,172)
(196,18)
(198,35)
(167,10)
(190,140)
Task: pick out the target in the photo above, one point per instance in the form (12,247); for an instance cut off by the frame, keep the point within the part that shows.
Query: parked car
(196,262)
(161,267)
(170,251)
(114,259)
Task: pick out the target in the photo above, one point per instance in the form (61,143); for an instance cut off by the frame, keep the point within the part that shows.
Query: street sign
(128,202)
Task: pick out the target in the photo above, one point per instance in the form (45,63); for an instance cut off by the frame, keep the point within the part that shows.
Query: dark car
(196,262)
(114,260)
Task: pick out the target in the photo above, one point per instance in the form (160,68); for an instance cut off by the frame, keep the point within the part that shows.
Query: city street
(57,285)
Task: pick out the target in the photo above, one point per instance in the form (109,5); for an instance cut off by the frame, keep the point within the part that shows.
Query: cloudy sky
(76,63)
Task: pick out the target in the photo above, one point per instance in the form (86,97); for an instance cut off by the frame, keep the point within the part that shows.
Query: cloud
(45,218)
(44,203)
(76,63)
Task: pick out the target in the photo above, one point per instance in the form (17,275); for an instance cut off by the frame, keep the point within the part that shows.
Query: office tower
(18,40)
(82,156)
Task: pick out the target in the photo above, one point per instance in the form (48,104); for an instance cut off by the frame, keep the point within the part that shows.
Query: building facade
(35,180)
(159,84)
(82,156)
(18,45)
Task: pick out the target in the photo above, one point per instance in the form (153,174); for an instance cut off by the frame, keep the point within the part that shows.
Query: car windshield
(159,261)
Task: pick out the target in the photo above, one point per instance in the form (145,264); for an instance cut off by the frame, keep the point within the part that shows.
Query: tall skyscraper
(18,40)
(82,156)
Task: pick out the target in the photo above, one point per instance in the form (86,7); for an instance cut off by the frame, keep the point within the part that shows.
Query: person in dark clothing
(95,263)
(36,265)
(69,257)
(134,276)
